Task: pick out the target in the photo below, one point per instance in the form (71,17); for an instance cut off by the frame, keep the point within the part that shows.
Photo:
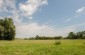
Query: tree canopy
(7,29)
(78,35)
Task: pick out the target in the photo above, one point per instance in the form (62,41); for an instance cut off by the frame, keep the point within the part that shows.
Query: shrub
(57,42)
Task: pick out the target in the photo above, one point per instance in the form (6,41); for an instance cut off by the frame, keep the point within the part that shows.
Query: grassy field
(42,47)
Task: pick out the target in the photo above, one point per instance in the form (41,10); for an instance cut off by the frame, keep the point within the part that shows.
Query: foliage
(46,38)
(71,35)
(7,29)
(1,32)
(78,35)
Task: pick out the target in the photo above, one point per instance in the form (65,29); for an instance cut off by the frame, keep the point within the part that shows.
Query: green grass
(42,47)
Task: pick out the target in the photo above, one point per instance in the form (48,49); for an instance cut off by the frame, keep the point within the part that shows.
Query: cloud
(80,10)
(30,18)
(33,29)
(26,9)
(31,6)
(1,2)
(7,8)
(68,19)
(7,5)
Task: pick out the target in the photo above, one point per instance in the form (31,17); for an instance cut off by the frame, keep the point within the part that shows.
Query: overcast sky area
(44,17)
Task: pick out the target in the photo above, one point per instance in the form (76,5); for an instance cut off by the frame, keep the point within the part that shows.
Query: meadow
(42,47)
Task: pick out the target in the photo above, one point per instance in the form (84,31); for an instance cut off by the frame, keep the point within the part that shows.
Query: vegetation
(7,29)
(57,42)
(78,35)
(46,38)
(42,47)
(71,35)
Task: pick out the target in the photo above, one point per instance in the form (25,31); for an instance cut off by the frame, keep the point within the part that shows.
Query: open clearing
(42,47)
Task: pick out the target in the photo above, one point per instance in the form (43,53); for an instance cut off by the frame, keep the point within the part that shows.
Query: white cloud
(25,9)
(80,10)
(33,29)
(68,19)
(7,5)
(1,2)
(30,17)
(45,30)
(31,6)
(8,9)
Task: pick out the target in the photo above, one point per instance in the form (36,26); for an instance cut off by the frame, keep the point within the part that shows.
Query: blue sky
(44,17)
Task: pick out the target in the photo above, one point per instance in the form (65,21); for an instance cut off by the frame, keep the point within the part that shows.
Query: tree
(12,33)
(58,37)
(72,35)
(79,35)
(1,22)
(37,37)
(83,35)
(7,28)
(1,32)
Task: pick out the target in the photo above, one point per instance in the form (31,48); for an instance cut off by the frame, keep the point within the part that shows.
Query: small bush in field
(57,42)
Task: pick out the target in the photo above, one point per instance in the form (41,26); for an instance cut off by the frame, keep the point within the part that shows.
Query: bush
(57,42)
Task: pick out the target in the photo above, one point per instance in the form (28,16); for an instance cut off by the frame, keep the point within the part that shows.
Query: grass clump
(57,42)
(83,42)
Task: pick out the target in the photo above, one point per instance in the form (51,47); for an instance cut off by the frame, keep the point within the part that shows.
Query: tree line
(78,35)
(45,38)
(7,29)
(71,35)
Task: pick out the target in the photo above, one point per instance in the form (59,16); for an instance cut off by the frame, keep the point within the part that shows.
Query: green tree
(1,32)
(7,29)
(37,37)
(79,35)
(58,37)
(1,22)
(83,35)
(72,35)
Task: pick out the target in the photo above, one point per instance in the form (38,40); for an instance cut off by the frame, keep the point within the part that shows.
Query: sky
(44,17)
